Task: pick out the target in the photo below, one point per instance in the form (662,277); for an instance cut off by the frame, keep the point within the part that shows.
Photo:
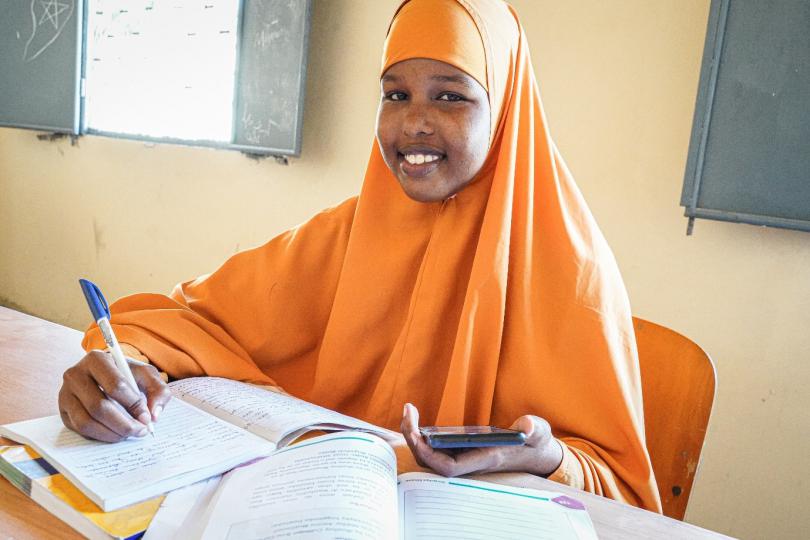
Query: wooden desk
(34,353)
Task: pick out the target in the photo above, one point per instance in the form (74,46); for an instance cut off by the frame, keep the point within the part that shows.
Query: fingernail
(142,432)
(144,418)
(404,409)
(156,412)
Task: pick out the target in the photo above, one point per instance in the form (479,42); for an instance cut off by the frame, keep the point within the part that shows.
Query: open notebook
(210,427)
(344,485)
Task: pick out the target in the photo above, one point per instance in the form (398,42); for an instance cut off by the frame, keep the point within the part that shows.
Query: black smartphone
(471,436)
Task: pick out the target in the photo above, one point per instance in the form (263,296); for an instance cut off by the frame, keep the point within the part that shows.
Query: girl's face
(432,127)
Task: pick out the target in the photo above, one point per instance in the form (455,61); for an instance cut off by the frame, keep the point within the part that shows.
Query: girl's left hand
(541,455)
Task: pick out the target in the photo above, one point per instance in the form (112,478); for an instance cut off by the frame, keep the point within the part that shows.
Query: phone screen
(471,436)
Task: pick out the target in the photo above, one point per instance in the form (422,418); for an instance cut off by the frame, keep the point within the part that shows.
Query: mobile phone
(471,436)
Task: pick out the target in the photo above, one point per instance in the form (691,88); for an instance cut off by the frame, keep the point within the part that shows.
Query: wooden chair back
(678,383)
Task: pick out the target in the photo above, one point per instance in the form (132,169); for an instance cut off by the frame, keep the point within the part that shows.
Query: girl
(468,278)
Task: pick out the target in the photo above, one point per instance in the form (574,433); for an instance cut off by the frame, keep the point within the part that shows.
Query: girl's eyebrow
(441,78)
(453,79)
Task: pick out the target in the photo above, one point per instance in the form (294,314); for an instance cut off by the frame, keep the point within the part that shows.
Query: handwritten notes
(272,415)
(189,445)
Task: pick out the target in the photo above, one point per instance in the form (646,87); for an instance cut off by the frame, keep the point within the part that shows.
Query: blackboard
(40,64)
(40,82)
(272,75)
(749,155)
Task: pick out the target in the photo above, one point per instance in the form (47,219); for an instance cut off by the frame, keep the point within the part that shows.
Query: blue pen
(101,313)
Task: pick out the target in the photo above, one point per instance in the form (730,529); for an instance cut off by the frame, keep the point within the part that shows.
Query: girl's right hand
(96,401)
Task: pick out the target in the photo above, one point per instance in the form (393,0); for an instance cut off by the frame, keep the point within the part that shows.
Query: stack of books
(35,477)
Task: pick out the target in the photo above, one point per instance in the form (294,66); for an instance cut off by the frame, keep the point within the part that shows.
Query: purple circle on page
(568,502)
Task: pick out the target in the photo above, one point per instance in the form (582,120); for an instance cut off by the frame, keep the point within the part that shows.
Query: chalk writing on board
(255,129)
(48,18)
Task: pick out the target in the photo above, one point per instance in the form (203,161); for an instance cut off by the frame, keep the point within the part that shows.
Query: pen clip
(95,299)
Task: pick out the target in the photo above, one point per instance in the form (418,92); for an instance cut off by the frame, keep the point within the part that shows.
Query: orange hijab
(501,301)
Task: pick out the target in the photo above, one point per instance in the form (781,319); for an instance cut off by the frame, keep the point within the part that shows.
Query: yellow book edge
(46,486)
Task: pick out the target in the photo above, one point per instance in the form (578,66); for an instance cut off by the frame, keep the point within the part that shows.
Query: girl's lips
(418,170)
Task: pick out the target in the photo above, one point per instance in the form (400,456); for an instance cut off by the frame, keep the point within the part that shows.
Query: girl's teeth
(418,159)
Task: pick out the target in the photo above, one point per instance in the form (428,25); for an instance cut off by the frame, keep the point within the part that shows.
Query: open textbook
(210,427)
(344,485)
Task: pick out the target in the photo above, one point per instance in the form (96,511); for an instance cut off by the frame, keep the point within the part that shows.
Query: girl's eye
(395,96)
(450,96)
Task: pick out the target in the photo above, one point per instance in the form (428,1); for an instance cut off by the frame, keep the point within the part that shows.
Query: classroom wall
(618,81)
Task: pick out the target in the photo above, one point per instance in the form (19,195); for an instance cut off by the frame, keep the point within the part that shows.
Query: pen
(101,313)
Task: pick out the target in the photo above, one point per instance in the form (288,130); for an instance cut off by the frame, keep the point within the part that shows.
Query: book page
(432,506)
(273,415)
(341,485)
(178,512)
(189,445)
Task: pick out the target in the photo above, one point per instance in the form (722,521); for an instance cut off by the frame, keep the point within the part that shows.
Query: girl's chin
(425,191)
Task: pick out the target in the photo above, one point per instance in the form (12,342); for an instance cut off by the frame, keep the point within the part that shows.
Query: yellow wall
(618,80)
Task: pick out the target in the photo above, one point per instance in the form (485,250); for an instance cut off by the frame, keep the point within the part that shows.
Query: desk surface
(34,353)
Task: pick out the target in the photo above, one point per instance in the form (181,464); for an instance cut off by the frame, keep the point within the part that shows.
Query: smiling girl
(467,284)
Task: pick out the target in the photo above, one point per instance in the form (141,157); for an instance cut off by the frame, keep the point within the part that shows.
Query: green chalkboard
(749,157)
(272,76)
(40,64)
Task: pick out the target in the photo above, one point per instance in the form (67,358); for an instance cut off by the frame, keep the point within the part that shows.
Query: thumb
(412,414)
(524,424)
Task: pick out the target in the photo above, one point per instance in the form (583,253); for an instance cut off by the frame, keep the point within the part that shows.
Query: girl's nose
(417,121)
